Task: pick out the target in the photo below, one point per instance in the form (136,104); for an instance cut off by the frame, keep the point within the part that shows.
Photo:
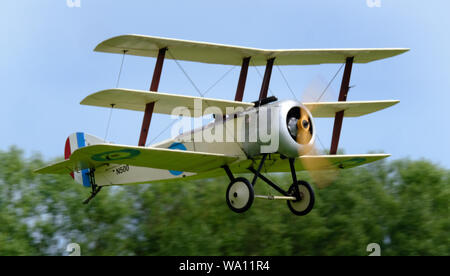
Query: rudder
(75,141)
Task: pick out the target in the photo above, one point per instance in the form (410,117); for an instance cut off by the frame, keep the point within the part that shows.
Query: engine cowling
(294,130)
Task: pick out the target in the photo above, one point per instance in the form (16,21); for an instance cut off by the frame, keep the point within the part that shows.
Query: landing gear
(240,193)
(304,203)
(95,189)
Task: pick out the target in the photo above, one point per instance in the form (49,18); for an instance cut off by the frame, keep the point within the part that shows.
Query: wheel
(305,203)
(240,195)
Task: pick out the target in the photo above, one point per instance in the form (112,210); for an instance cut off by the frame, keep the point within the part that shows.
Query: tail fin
(74,142)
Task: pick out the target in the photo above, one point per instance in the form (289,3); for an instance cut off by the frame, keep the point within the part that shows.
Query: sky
(48,66)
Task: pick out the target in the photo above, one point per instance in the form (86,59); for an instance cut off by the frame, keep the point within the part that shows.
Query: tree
(401,205)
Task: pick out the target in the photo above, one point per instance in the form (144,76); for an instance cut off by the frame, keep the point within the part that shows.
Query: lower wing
(275,163)
(95,156)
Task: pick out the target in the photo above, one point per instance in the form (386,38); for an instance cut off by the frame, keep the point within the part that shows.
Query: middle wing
(167,159)
(352,109)
(137,100)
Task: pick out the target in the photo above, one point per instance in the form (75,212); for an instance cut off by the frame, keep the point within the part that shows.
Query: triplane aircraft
(96,163)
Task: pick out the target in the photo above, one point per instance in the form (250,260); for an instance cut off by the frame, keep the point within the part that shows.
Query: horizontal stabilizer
(63,167)
(352,109)
(92,157)
(165,103)
(149,46)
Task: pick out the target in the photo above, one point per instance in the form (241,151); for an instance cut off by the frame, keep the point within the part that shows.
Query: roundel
(115,155)
(177,146)
(350,162)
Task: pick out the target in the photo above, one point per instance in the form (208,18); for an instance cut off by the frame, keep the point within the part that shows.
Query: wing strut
(266,80)
(150,106)
(242,80)
(342,98)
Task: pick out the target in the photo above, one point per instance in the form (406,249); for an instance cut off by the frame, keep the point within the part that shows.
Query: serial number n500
(122,169)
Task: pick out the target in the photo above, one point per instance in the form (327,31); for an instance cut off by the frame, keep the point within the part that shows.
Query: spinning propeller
(303,133)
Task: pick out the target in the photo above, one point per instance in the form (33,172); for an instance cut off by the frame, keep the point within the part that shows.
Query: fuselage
(246,134)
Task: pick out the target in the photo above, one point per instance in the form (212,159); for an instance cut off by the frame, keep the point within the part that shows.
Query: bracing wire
(219,80)
(109,121)
(117,85)
(195,87)
(321,95)
(161,133)
(185,73)
(320,142)
(121,67)
(287,83)
(331,81)
(261,76)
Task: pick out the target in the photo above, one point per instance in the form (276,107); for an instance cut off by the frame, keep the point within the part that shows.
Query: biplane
(96,163)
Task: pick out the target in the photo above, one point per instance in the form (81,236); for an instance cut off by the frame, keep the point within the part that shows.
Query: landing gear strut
(240,193)
(95,189)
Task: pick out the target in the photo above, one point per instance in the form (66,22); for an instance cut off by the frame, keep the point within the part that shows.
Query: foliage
(402,205)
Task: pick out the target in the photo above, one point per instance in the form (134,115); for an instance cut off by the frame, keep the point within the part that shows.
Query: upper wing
(97,155)
(137,100)
(149,46)
(352,109)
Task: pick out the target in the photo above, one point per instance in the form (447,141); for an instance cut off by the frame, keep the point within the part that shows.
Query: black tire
(240,195)
(305,204)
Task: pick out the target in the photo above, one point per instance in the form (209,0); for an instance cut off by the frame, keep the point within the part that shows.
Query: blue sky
(48,66)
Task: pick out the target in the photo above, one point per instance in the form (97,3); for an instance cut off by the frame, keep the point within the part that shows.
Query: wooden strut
(150,106)
(242,80)
(241,83)
(342,98)
(266,79)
